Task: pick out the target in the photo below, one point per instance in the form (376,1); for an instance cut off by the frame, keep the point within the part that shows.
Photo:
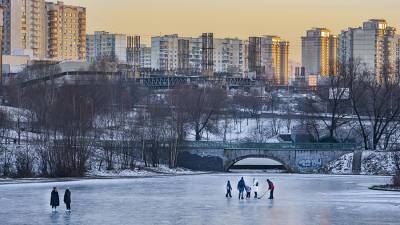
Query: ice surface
(200,199)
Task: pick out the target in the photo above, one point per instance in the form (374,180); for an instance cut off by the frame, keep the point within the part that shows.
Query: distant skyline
(288,19)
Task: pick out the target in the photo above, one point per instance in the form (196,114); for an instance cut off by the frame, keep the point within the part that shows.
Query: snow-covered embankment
(372,163)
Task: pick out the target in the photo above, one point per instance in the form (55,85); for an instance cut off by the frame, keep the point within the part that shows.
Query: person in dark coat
(55,199)
(271,188)
(67,199)
(241,185)
(228,189)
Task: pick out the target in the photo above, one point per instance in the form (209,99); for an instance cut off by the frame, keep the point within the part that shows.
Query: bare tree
(288,117)
(376,104)
(333,99)
(202,105)
(252,103)
(157,132)
(179,122)
(72,119)
(5,125)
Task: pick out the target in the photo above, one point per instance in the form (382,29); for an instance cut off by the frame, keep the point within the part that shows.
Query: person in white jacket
(255,189)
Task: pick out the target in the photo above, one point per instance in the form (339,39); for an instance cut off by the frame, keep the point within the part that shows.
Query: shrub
(396,179)
(24,164)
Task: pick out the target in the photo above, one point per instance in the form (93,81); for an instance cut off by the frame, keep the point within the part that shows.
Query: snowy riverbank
(162,170)
(386,187)
(372,163)
(141,172)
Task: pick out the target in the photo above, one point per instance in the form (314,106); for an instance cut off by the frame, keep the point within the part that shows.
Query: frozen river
(200,199)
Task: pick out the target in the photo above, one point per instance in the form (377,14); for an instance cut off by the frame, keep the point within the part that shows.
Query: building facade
(268,58)
(24,30)
(170,52)
(229,56)
(398,53)
(319,52)
(1,42)
(164,52)
(195,54)
(130,50)
(374,46)
(185,54)
(145,57)
(66,31)
(102,44)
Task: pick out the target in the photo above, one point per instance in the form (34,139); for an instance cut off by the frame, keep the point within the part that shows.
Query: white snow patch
(377,163)
(343,165)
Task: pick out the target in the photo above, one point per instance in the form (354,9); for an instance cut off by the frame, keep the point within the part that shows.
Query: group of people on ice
(242,187)
(55,199)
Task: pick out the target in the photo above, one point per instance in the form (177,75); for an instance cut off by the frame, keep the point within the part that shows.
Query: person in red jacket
(271,188)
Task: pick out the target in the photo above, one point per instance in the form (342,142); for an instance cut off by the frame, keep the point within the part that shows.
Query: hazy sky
(235,18)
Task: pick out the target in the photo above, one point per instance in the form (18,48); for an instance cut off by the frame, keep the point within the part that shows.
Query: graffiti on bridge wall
(309,163)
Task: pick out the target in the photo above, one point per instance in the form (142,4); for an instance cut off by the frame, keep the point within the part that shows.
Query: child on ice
(255,190)
(248,191)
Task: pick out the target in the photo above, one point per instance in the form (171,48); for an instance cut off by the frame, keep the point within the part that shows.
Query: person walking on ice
(228,190)
(241,185)
(54,199)
(271,188)
(67,199)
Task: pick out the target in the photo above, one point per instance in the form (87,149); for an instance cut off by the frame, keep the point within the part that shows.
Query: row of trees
(82,126)
(355,94)
(372,100)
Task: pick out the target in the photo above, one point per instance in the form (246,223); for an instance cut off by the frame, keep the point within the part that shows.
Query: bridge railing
(227,145)
(272,146)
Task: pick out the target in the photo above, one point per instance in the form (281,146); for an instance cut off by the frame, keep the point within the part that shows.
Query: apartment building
(268,58)
(66,31)
(1,42)
(185,54)
(24,31)
(195,54)
(397,41)
(103,44)
(176,54)
(374,46)
(229,56)
(145,57)
(319,52)
(164,52)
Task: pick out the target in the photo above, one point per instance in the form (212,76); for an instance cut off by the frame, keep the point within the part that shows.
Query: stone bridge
(221,156)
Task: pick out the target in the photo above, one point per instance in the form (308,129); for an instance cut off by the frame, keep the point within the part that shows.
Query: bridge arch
(231,162)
